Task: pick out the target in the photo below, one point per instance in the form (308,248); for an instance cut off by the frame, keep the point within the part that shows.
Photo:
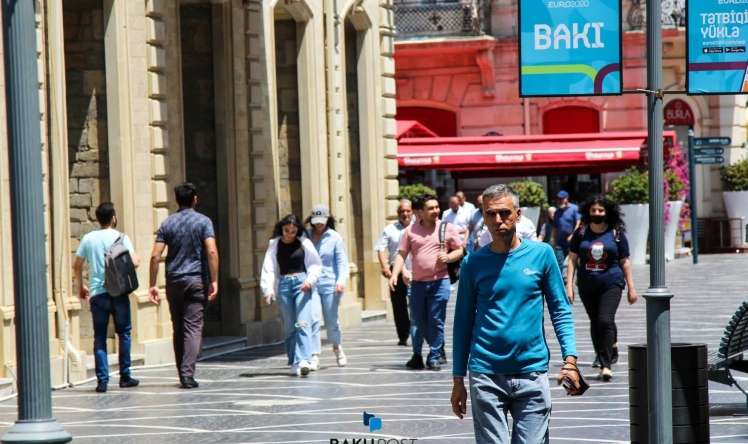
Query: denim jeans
(296,314)
(325,302)
(102,306)
(428,312)
(561,253)
(527,397)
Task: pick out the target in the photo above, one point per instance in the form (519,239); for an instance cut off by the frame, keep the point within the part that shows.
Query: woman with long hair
(600,251)
(332,282)
(289,272)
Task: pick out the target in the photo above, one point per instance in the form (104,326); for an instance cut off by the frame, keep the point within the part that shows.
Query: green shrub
(735,176)
(631,188)
(676,188)
(413,190)
(531,194)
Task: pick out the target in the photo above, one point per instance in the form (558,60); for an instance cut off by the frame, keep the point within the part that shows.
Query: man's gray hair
(404,201)
(499,191)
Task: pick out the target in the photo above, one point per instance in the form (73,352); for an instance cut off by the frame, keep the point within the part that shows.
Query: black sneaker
(403,342)
(415,363)
(596,362)
(188,383)
(614,356)
(101,387)
(434,365)
(443,358)
(128,381)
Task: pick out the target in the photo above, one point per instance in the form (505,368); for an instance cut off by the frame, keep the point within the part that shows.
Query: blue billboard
(716,35)
(570,48)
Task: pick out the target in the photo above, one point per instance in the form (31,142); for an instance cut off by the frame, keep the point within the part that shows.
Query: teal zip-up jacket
(498,324)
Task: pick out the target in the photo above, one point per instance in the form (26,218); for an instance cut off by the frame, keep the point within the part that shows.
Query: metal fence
(424,19)
(673,14)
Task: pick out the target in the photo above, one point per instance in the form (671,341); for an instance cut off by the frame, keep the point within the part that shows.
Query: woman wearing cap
(600,251)
(289,271)
(331,284)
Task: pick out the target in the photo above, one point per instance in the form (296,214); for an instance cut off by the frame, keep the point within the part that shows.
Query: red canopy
(526,155)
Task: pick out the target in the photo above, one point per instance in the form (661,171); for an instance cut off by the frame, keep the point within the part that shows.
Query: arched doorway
(571,120)
(440,121)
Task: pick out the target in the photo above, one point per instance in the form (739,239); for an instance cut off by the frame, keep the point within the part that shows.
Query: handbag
(453,268)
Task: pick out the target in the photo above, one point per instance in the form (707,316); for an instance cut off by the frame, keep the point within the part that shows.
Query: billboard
(570,48)
(716,34)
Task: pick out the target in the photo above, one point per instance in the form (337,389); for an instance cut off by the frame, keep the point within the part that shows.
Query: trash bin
(690,394)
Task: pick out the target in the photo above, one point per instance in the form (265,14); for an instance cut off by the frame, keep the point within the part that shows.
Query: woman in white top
(289,271)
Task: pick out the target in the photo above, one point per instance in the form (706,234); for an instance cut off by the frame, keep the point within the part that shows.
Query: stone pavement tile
(247,396)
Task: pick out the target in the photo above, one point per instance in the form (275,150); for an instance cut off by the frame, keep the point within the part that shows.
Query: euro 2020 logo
(373,422)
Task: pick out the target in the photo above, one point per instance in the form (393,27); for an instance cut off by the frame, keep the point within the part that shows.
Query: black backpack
(120,278)
(453,268)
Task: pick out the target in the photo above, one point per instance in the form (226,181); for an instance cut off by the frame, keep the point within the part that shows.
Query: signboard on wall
(570,48)
(678,113)
(716,39)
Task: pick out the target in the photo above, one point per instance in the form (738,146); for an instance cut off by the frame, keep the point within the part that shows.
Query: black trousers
(399,299)
(601,305)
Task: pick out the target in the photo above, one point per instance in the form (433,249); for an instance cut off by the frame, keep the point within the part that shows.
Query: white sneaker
(314,363)
(340,357)
(294,370)
(304,368)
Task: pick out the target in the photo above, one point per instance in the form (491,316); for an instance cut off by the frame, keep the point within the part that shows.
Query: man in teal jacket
(498,329)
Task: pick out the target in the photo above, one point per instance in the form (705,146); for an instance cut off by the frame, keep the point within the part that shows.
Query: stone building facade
(269,106)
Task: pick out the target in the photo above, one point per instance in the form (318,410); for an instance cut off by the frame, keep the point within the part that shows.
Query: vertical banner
(570,48)
(716,34)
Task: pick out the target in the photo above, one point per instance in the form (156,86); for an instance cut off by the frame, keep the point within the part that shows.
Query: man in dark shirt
(191,277)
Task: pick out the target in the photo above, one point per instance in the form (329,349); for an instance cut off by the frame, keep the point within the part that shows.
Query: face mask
(597,219)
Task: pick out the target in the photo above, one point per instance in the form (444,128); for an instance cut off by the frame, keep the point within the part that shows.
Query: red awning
(413,129)
(526,155)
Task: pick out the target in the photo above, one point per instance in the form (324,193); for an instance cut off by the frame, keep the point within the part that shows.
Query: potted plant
(631,192)
(676,185)
(532,198)
(735,193)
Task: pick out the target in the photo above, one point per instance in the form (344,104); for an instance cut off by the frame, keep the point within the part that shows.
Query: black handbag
(453,268)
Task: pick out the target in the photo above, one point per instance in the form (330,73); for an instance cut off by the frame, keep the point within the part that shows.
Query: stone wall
(87,115)
(88,157)
(289,144)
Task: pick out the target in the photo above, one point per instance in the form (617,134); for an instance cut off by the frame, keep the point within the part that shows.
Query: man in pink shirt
(430,287)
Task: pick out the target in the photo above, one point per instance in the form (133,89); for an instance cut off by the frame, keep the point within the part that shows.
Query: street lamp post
(659,378)
(35,422)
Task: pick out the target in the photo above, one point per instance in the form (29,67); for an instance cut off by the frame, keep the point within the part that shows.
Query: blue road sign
(709,160)
(711,141)
(709,151)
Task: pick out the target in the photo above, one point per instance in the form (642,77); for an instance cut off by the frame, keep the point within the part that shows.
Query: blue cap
(562,195)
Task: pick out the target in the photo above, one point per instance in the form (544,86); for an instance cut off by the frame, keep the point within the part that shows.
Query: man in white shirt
(464,204)
(456,214)
(387,250)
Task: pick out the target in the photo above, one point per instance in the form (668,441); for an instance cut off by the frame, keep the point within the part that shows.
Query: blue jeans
(325,302)
(102,306)
(561,253)
(428,312)
(526,396)
(296,314)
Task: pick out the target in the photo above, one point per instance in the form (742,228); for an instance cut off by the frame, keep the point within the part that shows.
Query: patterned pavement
(246,396)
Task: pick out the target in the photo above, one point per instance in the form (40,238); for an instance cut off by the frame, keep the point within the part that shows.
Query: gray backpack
(120,278)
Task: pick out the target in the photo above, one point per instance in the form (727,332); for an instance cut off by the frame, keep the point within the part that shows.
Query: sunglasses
(503,213)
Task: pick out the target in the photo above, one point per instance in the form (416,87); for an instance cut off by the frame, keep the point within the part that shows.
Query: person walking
(546,225)
(464,203)
(566,219)
(476,227)
(498,330)
(191,277)
(430,287)
(331,283)
(386,248)
(289,271)
(92,250)
(457,215)
(599,251)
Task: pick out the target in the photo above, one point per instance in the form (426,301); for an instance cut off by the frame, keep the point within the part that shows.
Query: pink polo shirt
(423,246)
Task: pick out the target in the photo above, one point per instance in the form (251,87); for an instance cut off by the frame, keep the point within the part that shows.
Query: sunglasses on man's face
(503,213)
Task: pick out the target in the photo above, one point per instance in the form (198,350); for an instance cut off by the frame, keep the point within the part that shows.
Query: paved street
(246,397)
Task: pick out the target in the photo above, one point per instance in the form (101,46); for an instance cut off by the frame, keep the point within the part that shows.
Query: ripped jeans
(296,314)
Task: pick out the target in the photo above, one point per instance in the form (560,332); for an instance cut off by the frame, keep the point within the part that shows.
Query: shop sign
(678,113)
(570,48)
(716,35)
